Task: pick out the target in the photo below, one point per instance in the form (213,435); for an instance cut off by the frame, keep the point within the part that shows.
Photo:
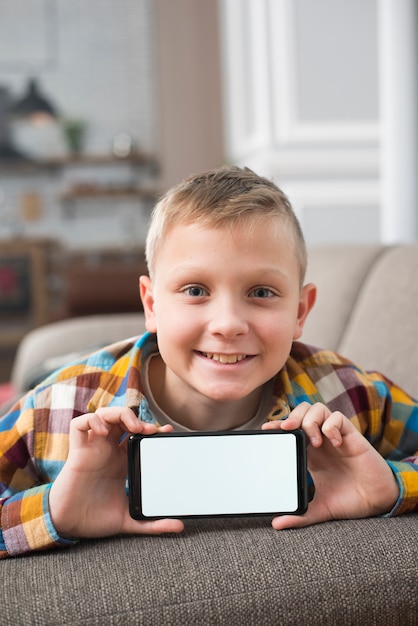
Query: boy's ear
(306,303)
(145,291)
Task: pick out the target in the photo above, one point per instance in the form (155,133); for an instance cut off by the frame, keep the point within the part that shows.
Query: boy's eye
(261,292)
(195,291)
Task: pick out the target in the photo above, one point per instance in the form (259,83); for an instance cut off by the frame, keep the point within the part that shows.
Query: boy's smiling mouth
(224,358)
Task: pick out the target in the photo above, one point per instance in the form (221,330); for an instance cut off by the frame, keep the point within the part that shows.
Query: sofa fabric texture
(236,571)
(241,571)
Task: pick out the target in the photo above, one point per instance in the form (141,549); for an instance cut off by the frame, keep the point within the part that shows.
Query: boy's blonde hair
(219,197)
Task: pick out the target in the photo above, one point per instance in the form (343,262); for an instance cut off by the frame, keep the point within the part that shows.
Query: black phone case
(134,473)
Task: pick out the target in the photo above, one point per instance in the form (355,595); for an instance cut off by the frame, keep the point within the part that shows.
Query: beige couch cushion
(383,330)
(338,272)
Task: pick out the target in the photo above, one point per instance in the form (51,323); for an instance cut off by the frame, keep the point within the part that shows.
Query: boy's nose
(228,320)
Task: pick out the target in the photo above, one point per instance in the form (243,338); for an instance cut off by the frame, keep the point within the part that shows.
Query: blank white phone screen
(218,475)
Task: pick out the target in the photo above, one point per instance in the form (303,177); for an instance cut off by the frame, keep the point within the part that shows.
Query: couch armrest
(68,338)
(230,571)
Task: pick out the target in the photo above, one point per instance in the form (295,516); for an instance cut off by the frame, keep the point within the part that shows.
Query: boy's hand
(88,497)
(352,480)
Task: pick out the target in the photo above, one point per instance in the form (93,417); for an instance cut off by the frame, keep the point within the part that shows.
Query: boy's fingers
(288,521)
(335,427)
(311,418)
(123,417)
(119,415)
(112,423)
(297,415)
(338,429)
(293,421)
(317,422)
(126,418)
(316,514)
(272,425)
(158,527)
(167,428)
(83,425)
(296,521)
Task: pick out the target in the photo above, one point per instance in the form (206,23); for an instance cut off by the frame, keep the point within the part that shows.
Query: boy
(225,304)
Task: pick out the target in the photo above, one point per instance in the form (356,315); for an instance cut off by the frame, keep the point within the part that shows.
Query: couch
(241,571)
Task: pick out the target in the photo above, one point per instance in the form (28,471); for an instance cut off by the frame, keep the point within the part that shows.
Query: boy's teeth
(224,358)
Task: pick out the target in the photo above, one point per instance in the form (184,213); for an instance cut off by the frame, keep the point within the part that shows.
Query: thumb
(314,515)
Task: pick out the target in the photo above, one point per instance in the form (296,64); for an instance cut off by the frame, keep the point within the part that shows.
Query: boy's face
(226,304)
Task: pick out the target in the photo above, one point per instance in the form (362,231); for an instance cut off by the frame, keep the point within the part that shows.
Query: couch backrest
(367,308)
(339,273)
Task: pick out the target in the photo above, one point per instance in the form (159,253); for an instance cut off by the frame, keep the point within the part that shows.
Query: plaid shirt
(34,434)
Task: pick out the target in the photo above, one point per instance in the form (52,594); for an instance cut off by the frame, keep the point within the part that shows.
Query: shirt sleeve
(26,523)
(406,473)
(385,414)
(395,436)
(34,440)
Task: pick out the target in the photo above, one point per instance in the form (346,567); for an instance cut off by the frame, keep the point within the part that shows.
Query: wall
(189,88)
(95,61)
(301,103)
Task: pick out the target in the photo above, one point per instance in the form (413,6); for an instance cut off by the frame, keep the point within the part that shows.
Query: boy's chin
(227,393)
(232,398)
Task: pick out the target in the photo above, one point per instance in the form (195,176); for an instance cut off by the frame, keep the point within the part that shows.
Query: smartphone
(217,474)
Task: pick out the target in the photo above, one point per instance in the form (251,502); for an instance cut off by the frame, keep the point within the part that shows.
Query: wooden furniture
(23,288)
(42,282)
(102,281)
